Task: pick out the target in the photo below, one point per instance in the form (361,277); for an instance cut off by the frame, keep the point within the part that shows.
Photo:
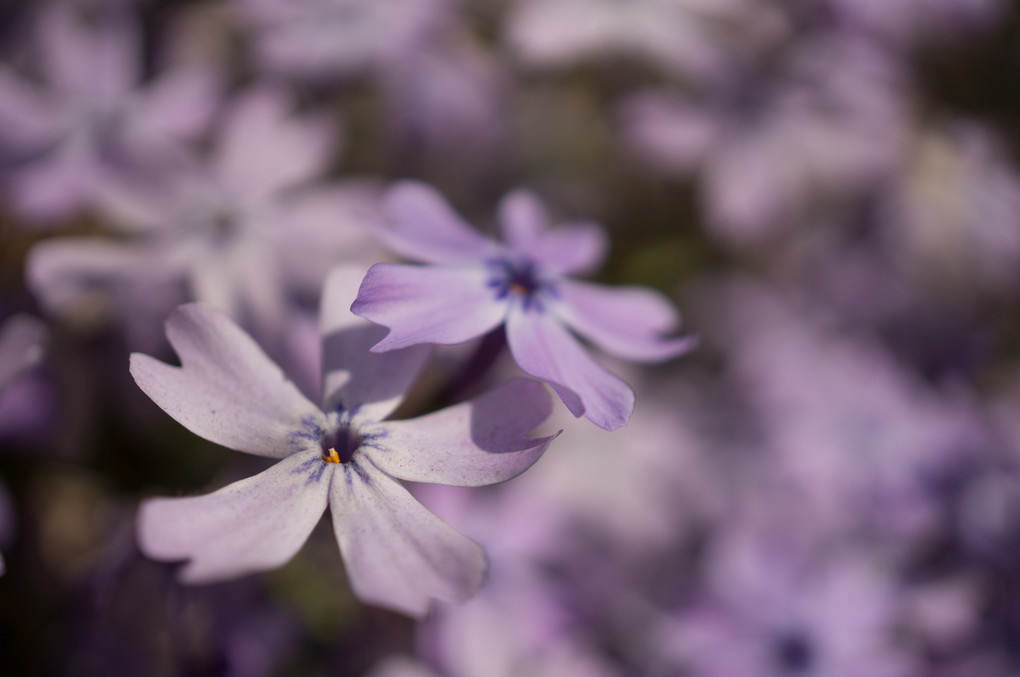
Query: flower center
(517,279)
(339,446)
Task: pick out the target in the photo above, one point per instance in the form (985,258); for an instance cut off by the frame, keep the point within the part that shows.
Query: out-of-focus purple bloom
(953,212)
(774,607)
(478,284)
(766,147)
(918,20)
(677,35)
(447,105)
(861,441)
(396,553)
(240,232)
(329,38)
(92,121)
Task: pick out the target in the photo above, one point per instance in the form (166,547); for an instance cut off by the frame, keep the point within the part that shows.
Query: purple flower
(397,554)
(775,606)
(92,122)
(767,146)
(241,231)
(325,38)
(677,35)
(479,284)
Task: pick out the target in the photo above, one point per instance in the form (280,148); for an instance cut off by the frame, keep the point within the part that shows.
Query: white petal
(252,525)
(398,554)
(479,442)
(354,378)
(226,390)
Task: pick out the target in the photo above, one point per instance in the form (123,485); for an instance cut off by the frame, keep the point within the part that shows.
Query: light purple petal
(21,339)
(27,117)
(226,389)
(91,61)
(90,276)
(353,377)
(253,525)
(479,442)
(624,321)
(397,553)
(545,349)
(424,228)
(569,248)
(424,304)
(523,219)
(180,104)
(58,184)
(265,148)
(321,226)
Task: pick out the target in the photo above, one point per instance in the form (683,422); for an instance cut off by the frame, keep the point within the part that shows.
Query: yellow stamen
(331,457)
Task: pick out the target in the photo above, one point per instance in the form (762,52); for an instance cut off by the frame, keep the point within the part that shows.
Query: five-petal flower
(397,554)
(477,284)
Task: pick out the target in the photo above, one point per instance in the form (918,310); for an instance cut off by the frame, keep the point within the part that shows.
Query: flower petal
(353,377)
(424,228)
(425,304)
(93,62)
(28,118)
(479,442)
(226,389)
(624,321)
(265,148)
(545,349)
(398,554)
(569,248)
(180,103)
(253,525)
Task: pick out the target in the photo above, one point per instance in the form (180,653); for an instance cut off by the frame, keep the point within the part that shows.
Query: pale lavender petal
(670,133)
(253,525)
(624,321)
(179,104)
(91,61)
(321,226)
(523,219)
(58,185)
(479,442)
(545,349)
(226,390)
(27,117)
(265,147)
(424,228)
(572,248)
(423,304)
(21,345)
(569,248)
(398,554)
(374,384)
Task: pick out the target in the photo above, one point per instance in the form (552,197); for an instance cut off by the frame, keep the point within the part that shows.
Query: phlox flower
(329,38)
(952,213)
(241,229)
(677,35)
(774,606)
(91,120)
(477,284)
(396,553)
(768,146)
